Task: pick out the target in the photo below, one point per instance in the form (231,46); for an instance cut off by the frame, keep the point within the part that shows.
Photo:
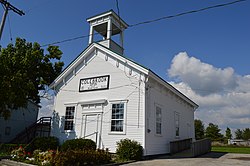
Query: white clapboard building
(104,96)
(20,120)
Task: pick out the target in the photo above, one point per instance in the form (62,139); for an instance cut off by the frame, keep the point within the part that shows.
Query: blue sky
(216,40)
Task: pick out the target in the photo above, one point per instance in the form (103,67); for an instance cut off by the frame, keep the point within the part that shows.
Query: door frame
(99,114)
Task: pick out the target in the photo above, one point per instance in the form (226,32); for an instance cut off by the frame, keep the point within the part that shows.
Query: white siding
(123,86)
(127,84)
(18,121)
(158,95)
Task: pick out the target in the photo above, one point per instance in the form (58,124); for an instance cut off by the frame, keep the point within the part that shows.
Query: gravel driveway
(210,159)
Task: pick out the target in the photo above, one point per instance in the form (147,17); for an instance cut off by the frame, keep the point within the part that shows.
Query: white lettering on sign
(94,83)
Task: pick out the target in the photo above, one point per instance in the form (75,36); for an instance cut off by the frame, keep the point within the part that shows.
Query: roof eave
(137,66)
(68,68)
(108,13)
(120,57)
(169,86)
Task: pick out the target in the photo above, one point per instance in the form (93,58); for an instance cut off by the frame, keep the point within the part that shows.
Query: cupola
(108,24)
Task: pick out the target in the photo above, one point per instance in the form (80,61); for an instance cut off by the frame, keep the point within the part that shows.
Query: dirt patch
(242,158)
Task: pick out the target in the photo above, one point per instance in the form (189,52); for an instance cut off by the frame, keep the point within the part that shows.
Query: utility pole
(7,7)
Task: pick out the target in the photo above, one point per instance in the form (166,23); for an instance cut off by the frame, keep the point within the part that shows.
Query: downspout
(139,100)
(146,105)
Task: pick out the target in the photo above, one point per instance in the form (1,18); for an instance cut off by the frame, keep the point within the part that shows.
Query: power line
(39,5)
(66,40)
(118,11)
(7,7)
(187,12)
(74,38)
(154,20)
(117,6)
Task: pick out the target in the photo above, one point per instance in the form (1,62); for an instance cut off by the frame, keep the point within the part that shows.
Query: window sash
(158,119)
(69,114)
(69,118)
(117,117)
(158,128)
(177,132)
(68,125)
(177,124)
(117,125)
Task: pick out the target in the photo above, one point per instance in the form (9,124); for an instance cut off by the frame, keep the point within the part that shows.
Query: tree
(199,129)
(213,132)
(246,134)
(25,70)
(228,133)
(238,134)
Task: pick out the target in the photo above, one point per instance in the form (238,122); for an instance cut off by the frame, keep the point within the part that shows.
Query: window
(177,124)
(7,130)
(69,118)
(117,118)
(158,120)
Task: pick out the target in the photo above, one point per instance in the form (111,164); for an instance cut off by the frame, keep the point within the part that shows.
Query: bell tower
(107,25)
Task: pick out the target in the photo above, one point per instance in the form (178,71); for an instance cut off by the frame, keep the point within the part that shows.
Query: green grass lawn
(228,149)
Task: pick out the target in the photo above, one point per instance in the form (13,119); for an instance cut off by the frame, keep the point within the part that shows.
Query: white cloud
(243,83)
(47,107)
(222,95)
(203,78)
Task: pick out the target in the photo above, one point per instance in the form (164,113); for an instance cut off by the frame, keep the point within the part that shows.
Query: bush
(44,158)
(129,150)
(7,148)
(43,143)
(79,158)
(19,154)
(78,144)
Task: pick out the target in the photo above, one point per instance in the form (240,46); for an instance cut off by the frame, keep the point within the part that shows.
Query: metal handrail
(42,121)
(90,134)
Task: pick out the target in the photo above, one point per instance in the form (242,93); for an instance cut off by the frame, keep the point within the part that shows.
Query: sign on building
(94,83)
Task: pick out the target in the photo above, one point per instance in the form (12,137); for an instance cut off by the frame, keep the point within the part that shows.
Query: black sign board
(94,83)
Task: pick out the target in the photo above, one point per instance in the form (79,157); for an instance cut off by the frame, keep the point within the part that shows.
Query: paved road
(211,159)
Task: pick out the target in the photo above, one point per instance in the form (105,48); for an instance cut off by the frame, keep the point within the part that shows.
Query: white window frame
(158,120)
(124,117)
(70,119)
(177,124)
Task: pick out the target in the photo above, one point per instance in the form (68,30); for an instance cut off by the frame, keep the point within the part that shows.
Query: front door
(92,124)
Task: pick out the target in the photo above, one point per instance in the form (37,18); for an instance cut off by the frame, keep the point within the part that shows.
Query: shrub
(19,154)
(78,144)
(43,143)
(7,148)
(79,158)
(129,150)
(44,158)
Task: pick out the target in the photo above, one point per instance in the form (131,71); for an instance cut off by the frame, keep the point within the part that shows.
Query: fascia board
(71,66)
(89,49)
(99,16)
(106,14)
(173,89)
(123,59)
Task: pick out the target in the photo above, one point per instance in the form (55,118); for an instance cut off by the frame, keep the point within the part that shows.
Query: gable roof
(90,48)
(122,58)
